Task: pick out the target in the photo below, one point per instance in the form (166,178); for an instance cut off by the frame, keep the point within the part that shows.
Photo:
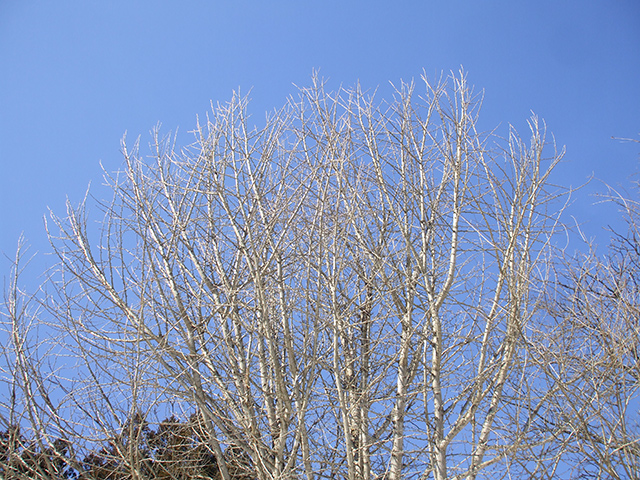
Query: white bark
(344,292)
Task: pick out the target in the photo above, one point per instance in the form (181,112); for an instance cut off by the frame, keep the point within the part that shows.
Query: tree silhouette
(21,458)
(176,450)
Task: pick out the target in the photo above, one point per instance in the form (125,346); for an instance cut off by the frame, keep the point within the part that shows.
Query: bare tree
(588,349)
(345,292)
(451,239)
(32,430)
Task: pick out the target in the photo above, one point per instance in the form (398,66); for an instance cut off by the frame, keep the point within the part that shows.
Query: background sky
(76,75)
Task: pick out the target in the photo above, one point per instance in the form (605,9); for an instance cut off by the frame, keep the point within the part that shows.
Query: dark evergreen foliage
(21,458)
(175,450)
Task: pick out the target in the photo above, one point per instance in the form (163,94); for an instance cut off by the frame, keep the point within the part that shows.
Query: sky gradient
(75,76)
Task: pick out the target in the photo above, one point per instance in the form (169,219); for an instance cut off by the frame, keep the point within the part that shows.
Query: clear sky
(75,75)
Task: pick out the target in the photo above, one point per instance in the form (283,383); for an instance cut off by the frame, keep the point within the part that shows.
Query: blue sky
(74,76)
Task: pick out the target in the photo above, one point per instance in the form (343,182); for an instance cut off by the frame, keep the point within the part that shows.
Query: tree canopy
(356,289)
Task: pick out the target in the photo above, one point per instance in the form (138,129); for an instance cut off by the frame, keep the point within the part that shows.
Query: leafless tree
(434,270)
(588,350)
(345,292)
(32,431)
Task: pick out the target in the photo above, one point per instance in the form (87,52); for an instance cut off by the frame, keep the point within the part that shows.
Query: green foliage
(175,450)
(21,458)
